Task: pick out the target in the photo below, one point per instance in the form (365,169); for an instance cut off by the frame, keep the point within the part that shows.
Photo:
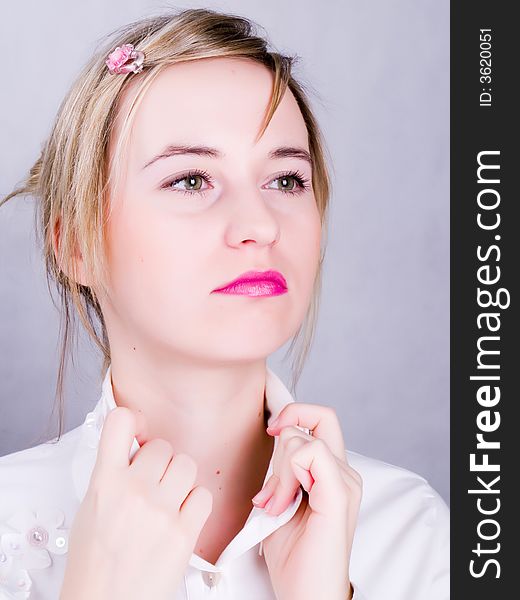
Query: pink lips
(256,283)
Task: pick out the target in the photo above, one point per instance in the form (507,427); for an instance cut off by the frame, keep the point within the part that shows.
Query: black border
(473,129)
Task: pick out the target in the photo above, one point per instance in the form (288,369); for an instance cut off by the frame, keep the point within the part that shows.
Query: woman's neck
(218,417)
(232,503)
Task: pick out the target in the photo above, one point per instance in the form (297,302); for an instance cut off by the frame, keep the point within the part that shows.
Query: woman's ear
(77,263)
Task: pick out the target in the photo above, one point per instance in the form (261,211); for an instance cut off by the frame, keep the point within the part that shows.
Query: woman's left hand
(309,556)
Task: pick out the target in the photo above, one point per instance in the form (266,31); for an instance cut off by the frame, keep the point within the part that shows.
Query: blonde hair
(72,174)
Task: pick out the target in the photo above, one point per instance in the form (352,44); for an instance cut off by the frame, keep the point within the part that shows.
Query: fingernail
(273,425)
(258,498)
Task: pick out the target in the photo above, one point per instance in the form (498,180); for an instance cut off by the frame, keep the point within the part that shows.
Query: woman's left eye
(299,183)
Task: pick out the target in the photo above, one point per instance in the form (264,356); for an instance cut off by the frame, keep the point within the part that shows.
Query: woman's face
(173,239)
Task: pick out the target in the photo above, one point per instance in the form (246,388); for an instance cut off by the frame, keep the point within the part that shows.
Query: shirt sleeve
(438,570)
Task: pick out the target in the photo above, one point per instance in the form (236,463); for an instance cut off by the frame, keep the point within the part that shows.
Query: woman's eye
(291,183)
(192,183)
(286,183)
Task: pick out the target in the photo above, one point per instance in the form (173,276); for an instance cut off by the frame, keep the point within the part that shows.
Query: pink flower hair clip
(118,60)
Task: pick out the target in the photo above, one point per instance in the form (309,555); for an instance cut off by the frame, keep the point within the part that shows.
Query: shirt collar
(259,524)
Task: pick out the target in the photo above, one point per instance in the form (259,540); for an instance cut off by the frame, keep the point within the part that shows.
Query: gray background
(381,354)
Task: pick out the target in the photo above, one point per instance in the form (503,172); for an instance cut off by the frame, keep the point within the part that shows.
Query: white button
(60,542)
(210,578)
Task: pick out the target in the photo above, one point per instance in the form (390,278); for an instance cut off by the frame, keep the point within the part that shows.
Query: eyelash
(301,180)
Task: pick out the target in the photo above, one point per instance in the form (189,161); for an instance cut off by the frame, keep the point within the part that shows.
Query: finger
(328,493)
(321,420)
(151,460)
(266,492)
(282,469)
(117,436)
(291,439)
(178,480)
(280,447)
(195,510)
(288,481)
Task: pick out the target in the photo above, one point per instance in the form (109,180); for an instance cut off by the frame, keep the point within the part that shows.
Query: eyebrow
(178,150)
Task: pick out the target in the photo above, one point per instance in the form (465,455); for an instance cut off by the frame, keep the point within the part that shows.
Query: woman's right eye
(193,182)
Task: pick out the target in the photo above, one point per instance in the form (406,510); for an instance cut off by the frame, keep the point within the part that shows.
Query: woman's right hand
(138,524)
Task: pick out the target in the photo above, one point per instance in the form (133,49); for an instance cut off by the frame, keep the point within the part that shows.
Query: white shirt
(400,549)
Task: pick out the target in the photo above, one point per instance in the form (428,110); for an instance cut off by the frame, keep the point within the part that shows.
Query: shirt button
(210,578)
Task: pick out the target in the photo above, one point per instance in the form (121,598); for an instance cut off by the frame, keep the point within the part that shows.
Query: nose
(252,222)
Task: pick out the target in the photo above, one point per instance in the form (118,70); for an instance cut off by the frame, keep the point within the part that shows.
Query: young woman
(183,195)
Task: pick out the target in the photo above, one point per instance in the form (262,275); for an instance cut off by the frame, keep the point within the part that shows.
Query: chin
(244,346)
